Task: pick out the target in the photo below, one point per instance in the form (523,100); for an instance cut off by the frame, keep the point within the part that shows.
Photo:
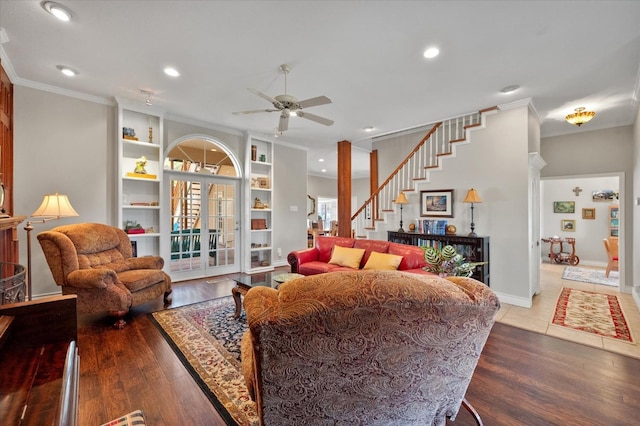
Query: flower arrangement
(448,262)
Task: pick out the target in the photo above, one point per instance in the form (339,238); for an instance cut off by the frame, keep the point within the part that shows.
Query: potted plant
(448,262)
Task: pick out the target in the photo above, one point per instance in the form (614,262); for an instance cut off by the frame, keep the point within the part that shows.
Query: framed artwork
(604,195)
(588,213)
(568,225)
(436,203)
(564,207)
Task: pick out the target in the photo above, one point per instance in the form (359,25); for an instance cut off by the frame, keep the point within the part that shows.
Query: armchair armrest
(260,304)
(92,278)
(298,257)
(147,262)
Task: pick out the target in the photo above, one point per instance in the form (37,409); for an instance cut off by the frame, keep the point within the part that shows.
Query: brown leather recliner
(94,261)
(365,347)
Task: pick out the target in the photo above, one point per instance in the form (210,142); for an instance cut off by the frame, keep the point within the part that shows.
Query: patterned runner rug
(206,338)
(591,276)
(592,312)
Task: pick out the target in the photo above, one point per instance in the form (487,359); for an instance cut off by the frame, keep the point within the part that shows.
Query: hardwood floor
(523,378)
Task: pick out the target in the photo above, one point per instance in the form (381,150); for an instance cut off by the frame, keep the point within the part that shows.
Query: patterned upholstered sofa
(316,260)
(365,347)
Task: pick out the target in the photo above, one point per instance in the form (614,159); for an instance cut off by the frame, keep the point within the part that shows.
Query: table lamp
(401,199)
(472,197)
(54,206)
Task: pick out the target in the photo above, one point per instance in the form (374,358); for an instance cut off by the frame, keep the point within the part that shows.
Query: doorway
(588,216)
(202,186)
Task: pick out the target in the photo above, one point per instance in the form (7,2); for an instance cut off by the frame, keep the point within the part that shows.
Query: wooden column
(8,236)
(344,189)
(373,181)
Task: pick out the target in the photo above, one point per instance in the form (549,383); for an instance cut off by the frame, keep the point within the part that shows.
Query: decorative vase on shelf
(254,153)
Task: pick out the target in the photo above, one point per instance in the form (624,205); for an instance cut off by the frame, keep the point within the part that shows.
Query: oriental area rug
(591,276)
(206,338)
(592,312)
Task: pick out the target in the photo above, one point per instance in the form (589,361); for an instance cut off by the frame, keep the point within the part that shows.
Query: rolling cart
(559,255)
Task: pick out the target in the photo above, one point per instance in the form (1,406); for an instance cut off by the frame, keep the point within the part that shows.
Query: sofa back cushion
(404,323)
(324,245)
(412,256)
(369,246)
(98,245)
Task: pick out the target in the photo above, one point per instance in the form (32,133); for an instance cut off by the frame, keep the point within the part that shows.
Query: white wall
(63,145)
(290,202)
(588,233)
(495,162)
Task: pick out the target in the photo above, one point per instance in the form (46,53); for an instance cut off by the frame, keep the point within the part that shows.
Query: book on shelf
(434,227)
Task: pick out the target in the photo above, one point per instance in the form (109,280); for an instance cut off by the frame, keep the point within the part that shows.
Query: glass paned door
(203,226)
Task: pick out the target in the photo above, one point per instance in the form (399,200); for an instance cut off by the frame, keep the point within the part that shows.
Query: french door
(204,225)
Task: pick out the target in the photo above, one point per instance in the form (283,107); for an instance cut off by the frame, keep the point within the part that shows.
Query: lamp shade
(401,199)
(55,205)
(472,197)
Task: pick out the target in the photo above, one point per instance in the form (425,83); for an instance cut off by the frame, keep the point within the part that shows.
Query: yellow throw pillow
(345,256)
(383,261)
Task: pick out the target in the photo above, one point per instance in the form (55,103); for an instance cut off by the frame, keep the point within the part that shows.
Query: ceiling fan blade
(284,122)
(315,118)
(319,100)
(265,97)
(253,111)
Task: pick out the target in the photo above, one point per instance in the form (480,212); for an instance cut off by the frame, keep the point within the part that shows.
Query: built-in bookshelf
(474,249)
(260,219)
(139,185)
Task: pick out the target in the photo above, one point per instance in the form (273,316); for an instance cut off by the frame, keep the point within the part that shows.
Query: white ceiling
(365,56)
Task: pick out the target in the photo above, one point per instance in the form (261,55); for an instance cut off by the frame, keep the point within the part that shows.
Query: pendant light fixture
(580,117)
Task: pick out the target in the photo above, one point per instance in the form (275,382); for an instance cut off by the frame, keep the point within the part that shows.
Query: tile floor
(538,317)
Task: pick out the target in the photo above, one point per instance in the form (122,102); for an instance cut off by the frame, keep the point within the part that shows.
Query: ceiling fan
(289,105)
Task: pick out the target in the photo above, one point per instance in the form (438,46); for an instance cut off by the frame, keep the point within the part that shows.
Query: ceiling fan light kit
(288,105)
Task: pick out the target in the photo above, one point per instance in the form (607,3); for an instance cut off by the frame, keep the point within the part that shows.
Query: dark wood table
(246,282)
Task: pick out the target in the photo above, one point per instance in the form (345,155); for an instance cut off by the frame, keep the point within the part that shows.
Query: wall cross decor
(577,190)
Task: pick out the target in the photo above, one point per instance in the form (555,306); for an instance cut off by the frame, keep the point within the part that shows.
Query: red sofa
(315,260)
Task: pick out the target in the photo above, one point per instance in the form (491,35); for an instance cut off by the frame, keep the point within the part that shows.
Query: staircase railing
(438,142)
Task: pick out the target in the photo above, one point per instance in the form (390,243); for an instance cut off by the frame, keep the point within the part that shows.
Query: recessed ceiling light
(368,129)
(324,170)
(321,160)
(57,10)
(69,72)
(431,52)
(171,72)
(509,89)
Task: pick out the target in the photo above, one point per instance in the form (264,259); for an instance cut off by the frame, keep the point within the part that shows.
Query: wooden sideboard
(474,249)
(39,362)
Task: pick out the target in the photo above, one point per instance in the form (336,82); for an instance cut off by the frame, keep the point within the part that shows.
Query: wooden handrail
(397,170)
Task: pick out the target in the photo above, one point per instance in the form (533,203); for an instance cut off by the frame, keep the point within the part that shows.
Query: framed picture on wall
(564,207)
(588,213)
(436,203)
(604,195)
(568,225)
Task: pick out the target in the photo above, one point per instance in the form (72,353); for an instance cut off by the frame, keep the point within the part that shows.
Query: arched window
(201,154)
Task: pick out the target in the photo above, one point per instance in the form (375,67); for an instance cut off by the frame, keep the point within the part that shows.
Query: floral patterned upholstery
(365,347)
(94,261)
